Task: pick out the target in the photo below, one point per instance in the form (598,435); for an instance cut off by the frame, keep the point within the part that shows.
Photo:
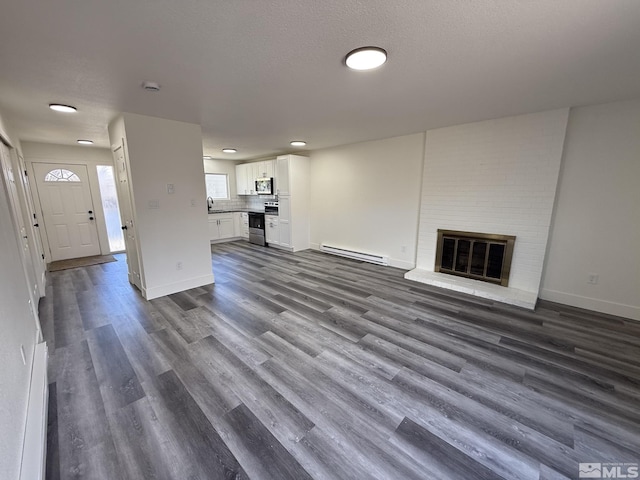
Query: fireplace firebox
(481,256)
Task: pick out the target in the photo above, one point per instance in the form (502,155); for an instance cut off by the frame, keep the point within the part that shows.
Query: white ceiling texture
(257,74)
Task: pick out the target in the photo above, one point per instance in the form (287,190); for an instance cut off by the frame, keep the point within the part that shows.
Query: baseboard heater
(365,257)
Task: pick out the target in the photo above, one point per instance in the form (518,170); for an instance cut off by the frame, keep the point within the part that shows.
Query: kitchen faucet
(209,203)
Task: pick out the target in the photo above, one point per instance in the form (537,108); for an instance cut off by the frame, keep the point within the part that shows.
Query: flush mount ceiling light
(85,142)
(365,58)
(298,143)
(207,157)
(229,150)
(58,107)
(151,86)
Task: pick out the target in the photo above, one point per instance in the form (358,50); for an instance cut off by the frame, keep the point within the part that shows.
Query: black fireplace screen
(480,256)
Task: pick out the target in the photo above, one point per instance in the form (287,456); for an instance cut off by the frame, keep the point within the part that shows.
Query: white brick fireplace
(495,177)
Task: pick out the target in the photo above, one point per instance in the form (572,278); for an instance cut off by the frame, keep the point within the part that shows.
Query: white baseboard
(393,262)
(35,436)
(161,291)
(597,305)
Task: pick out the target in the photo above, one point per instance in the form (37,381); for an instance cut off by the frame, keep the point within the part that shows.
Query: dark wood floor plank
(311,365)
(457,464)
(84,439)
(119,383)
(53,454)
(144,448)
(206,448)
(264,401)
(271,459)
(68,327)
(506,428)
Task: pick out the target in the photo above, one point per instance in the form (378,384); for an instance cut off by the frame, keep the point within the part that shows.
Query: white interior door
(67,208)
(126,212)
(8,172)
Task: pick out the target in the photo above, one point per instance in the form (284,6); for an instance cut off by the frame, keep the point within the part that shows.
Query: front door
(67,208)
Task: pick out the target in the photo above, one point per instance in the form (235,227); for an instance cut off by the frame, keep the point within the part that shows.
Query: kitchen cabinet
(265,169)
(272,230)
(292,186)
(284,215)
(241,224)
(282,175)
(247,173)
(220,226)
(245,179)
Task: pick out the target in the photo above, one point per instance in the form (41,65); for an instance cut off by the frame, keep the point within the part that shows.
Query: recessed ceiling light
(229,150)
(85,142)
(366,58)
(207,157)
(62,108)
(298,143)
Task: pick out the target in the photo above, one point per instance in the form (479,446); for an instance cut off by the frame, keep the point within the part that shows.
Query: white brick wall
(496,176)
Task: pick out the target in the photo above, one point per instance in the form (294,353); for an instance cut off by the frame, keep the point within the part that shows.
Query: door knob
(90,218)
(36,225)
(124,227)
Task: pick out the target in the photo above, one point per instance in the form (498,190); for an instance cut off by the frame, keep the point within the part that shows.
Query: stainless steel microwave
(264,186)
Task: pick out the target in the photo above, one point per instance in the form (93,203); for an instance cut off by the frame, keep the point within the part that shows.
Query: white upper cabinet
(247,173)
(282,175)
(241,179)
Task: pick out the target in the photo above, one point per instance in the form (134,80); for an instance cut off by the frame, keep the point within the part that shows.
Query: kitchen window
(217,186)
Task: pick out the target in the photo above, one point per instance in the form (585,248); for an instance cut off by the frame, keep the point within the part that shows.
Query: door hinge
(34,216)
(43,256)
(26,174)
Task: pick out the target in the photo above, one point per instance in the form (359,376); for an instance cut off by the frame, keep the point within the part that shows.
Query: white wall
(17,327)
(91,157)
(165,152)
(496,176)
(596,227)
(366,196)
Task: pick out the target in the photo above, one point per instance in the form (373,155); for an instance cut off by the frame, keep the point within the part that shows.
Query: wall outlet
(170,188)
(179,266)
(153,204)
(593,278)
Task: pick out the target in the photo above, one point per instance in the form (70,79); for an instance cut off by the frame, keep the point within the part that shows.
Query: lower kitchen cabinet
(221,226)
(272,230)
(241,224)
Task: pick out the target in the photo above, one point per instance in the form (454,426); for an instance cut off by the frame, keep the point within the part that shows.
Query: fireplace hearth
(480,256)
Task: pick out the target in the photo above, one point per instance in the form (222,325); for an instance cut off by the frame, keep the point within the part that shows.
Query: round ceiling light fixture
(229,150)
(365,58)
(298,143)
(85,142)
(207,157)
(151,86)
(58,107)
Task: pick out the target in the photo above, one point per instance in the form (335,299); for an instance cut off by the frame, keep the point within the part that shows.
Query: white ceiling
(257,74)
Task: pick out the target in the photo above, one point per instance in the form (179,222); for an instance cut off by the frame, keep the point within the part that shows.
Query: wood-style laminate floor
(305,365)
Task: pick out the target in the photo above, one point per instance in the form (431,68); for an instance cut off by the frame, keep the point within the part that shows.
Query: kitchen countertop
(245,210)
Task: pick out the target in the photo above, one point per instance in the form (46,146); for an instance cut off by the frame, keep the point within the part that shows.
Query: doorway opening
(108,192)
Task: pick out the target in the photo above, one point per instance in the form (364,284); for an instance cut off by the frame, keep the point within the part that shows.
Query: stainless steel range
(256,228)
